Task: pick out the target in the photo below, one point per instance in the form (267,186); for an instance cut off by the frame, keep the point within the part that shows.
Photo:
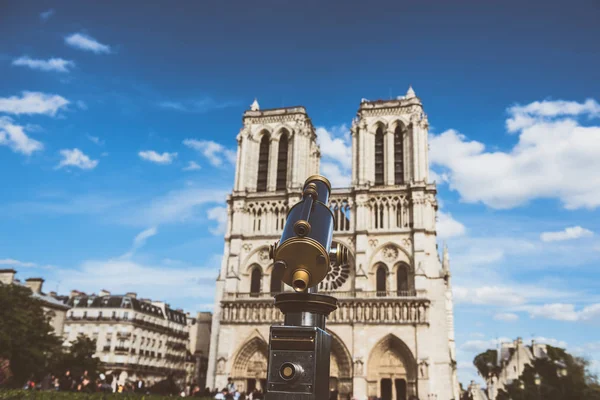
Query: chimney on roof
(179,310)
(35,284)
(7,276)
(74,293)
(131,294)
(53,294)
(104,292)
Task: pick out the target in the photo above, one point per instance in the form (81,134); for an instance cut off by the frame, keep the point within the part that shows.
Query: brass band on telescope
(313,260)
(320,178)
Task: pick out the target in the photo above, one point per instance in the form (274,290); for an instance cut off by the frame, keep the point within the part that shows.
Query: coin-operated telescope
(299,349)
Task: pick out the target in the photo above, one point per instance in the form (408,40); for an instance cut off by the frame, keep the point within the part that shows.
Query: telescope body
(299,350)
(304,251)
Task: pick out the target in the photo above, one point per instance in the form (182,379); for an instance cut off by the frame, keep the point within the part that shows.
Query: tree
(27,339)
(576,384)
(486,363)
(79,358)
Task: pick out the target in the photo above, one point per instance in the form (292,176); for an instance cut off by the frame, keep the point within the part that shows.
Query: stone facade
(199,346)
(393,333)
(135,338)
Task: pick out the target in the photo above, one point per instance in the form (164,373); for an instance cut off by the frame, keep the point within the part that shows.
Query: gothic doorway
(340,368)
(391,370)
(250,366)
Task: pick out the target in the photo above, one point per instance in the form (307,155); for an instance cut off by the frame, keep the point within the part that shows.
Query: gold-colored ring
(320,178)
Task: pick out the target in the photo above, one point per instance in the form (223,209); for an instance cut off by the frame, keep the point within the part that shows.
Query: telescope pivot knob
(339,255)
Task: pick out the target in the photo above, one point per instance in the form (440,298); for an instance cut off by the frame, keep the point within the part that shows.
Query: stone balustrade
(353,307)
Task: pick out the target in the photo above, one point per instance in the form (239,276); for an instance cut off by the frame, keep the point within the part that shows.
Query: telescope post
(299,350)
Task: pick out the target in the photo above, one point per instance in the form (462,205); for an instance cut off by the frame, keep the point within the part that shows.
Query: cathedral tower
(393,334)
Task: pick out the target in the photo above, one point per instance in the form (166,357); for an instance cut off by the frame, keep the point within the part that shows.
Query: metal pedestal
(299,349)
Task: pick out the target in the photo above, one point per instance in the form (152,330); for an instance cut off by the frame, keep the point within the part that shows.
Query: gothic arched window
(381,277)
(402,279)
(282,157)
(398,156)
(263,163)
(255,280)
(379,156)
(276,283)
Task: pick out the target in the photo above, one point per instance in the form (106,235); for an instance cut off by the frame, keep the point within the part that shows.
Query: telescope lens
(299,284)
(290,371)
(300,280)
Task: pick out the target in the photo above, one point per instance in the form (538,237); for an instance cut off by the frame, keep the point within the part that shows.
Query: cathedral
(393,331)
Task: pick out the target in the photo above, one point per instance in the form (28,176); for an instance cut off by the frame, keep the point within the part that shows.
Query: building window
(84,314)
(282,158)
(398,156)
(263,163)
(126,315)
(379,156)
(402,279)
(255,281)
(381,277)
(99,314)
(114,314)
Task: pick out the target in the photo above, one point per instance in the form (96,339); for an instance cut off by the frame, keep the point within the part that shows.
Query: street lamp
(538,382)
(561,371)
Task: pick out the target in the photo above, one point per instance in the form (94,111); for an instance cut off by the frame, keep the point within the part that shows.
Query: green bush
(52,395)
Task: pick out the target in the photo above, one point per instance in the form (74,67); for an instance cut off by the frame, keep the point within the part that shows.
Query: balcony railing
(365,307)
(353,294)
(121,350)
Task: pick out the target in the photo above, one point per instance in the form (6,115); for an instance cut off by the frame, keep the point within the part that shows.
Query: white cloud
(336,152)
(155,281)
(525,116)
(508,294)
(218,214)
(478,346)
(192,166)
(87,43)
(564,312)
(175,207)
(197,106)
(52,64)
(335,174)
(16,263)
(140,240)
(574,232)
(33,103)
(152,156)
(488,295)
(448,227)
(16,139)
(555,157)
(47,14)
(81,104)
(506,317)
(76,158)
(215,152)
(96,140)
(334,144)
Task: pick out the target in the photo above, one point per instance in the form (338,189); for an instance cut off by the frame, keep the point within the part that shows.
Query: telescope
(299,350)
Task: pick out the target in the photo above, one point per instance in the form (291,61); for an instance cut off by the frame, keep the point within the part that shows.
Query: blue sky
(118,125)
